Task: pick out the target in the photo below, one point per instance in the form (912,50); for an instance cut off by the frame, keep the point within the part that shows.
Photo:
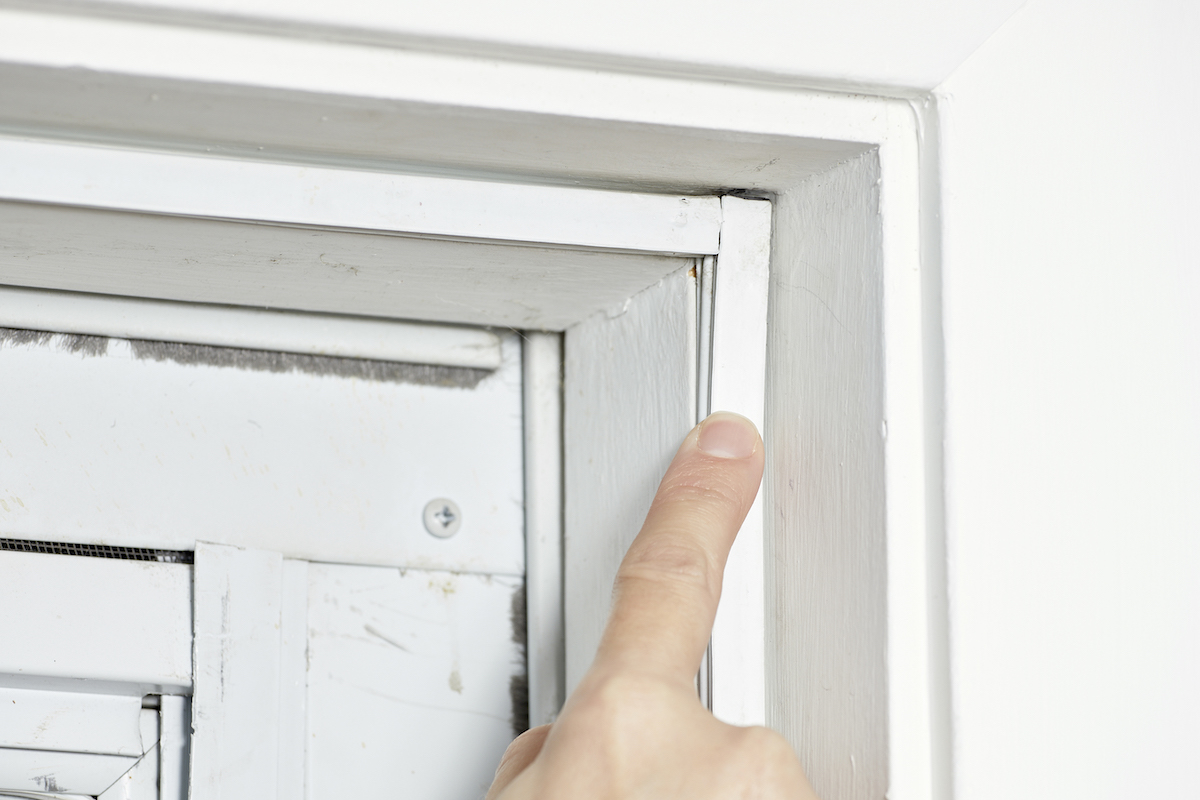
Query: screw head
(442,517)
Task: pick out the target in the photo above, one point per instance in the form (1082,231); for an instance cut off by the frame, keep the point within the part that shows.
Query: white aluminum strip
(75,621)
(167,183)
(738,383)
(175,726)
(542,362)
(293,680)
(40,719)
(254,329)
(235,704)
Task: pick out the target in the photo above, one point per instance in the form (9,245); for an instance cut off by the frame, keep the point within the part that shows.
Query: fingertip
(725,434)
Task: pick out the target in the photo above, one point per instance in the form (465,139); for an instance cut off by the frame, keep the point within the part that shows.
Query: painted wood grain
(315,269)
(825,546)
(317,102)
(629,399)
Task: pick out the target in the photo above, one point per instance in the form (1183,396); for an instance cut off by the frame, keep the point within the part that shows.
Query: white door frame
(853,439)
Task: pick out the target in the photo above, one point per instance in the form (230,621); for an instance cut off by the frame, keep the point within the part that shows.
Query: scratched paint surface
(100,445)
(409,681)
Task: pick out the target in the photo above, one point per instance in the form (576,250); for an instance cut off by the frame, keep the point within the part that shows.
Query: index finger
(669,583)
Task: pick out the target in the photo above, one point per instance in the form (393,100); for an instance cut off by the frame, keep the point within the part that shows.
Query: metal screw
(442,517)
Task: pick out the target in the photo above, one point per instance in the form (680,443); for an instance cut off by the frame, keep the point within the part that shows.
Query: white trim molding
(249,328)
(847,528)
(198,186)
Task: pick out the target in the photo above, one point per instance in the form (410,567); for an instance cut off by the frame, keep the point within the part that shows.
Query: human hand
(634,728)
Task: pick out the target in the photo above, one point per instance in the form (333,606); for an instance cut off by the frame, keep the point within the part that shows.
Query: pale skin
(634,728)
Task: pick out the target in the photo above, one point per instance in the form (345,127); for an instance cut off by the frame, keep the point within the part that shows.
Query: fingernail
(727,435)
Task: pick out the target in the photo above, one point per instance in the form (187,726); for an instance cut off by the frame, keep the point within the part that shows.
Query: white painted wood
(629,399)
(175,724)
(863,42)
(311,334)
(293,680)
(295,97)
(196,186)
(578,129)
(920,755)
(313,466)
(60,772)
(410,678)
(827,543)
(141,781)
(543,392)
(334,270)
(39,719)
(737,383)
(235,699)
(936,605)
(89,633)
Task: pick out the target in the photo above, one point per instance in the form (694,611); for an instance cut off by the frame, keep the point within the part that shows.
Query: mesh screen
(98,551)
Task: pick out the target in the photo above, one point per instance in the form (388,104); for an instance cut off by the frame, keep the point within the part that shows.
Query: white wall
(1072,325)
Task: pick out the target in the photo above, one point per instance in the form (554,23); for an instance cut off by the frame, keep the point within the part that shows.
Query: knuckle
(703,490)
(671,554)
(617,702)
(624,688)
(670,560)
(766,754)
(764,748)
